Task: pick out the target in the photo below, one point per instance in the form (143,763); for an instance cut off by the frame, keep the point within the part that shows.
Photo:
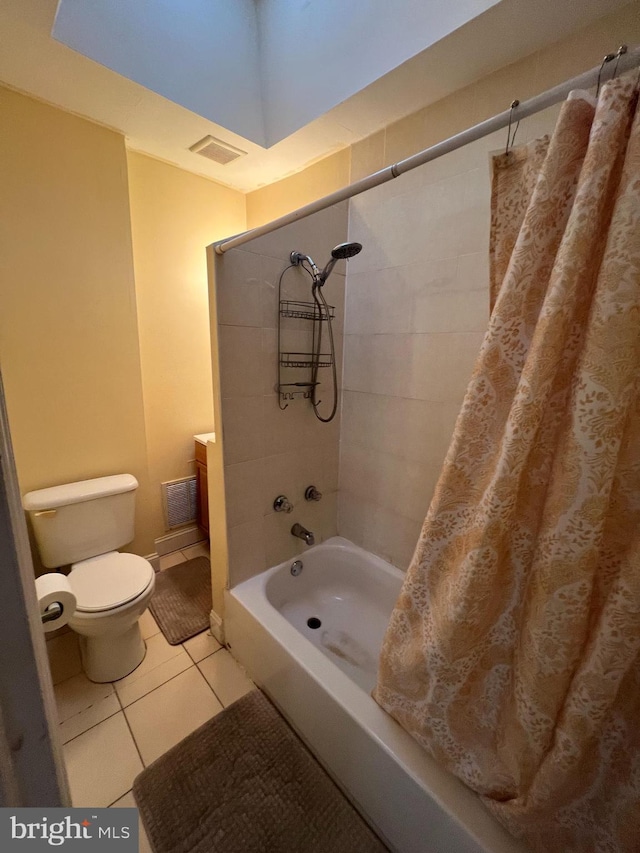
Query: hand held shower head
(346,250)
(343,251)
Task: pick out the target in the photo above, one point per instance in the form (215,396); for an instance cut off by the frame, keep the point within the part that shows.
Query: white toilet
(83,524)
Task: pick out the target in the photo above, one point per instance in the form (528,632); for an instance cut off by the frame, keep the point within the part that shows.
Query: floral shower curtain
(513,652)
(513,180)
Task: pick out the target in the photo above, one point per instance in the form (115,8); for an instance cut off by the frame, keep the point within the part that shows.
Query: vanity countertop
(204,437)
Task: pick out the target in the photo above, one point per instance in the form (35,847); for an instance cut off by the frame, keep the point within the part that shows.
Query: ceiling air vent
(217,150)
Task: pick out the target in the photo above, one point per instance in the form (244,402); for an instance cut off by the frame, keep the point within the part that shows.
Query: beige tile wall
(417,298)
(268,452)
(528,76)
(417,306)
(523,79)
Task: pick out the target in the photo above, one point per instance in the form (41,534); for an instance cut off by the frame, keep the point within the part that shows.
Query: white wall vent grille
(217,150)
(179,502)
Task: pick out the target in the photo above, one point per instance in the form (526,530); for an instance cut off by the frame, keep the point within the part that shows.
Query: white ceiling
(260,68)
(201,54)
(32,61)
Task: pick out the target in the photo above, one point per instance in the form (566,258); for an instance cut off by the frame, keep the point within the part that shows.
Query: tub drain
(314,622)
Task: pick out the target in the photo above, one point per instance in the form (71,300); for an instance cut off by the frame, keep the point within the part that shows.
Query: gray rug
(181,602)
(244,783)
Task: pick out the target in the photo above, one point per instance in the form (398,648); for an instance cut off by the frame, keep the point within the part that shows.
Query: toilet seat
(109,581)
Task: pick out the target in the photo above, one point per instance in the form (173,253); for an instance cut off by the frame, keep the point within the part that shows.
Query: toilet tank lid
(74,493)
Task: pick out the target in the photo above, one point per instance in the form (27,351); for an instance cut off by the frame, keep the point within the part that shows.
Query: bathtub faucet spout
(302,533)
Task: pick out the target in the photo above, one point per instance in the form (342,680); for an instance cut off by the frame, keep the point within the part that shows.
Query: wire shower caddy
(300,310)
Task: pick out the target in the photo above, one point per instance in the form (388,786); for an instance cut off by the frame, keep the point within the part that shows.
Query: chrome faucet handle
(282,504)
(312,494)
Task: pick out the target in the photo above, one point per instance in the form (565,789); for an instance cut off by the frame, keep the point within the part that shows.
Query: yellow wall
(104,373)
(317,180)
(68,325)
(483,99)
(174,216)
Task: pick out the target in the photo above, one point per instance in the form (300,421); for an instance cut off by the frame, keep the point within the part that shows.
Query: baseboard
(178,540)
(217,626)
(154,559)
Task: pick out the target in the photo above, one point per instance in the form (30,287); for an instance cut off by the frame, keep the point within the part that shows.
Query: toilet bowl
(82,525)
(112,590)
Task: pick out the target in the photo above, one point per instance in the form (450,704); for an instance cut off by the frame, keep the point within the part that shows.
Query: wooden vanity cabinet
(201,487)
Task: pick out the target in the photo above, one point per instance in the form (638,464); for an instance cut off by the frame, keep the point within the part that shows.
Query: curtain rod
(523,110)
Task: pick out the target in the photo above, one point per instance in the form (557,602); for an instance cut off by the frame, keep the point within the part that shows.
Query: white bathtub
(320,678)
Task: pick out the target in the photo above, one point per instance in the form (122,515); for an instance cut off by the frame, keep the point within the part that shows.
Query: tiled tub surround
(269,452)
(417,306)
(111,731)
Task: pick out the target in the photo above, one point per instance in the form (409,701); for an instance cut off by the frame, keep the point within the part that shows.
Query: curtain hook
(620,52)
(512,139)
(609,57)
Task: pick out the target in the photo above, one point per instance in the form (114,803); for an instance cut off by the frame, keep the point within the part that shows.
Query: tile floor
(111,731)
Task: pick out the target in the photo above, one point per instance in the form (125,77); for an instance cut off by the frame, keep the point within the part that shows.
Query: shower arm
(298,259)
(478,131)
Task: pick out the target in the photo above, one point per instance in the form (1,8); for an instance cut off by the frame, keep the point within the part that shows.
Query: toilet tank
(81,520)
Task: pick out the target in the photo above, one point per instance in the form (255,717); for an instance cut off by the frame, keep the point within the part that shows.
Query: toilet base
(109,658)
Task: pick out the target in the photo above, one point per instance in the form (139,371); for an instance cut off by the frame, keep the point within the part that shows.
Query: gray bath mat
(244,783)
(181,602)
